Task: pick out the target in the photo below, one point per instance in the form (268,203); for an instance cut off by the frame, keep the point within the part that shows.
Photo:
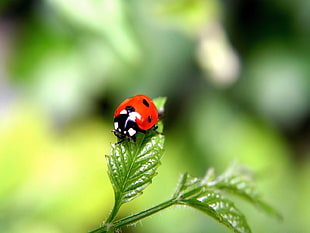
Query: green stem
(143,214)
(113,213)
(134,218)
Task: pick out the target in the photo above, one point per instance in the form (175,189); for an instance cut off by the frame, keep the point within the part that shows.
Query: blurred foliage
(236,75)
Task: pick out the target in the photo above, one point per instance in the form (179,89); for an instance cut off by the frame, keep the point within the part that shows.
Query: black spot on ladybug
(144,101)
(149,119)
(130,109)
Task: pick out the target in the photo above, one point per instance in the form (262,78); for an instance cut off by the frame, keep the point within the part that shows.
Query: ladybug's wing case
(122,106)
(145,107)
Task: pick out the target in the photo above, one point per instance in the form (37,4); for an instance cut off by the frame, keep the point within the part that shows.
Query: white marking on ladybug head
(123,112)
(133,116)
(131,132)
(115,125)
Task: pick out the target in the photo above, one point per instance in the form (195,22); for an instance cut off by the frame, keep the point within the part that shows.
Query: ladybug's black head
(125,124)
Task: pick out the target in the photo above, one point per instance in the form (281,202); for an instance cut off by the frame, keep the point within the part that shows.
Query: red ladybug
(136,114)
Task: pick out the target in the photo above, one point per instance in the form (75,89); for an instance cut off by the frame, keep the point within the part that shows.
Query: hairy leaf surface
(194,192)
(241,185)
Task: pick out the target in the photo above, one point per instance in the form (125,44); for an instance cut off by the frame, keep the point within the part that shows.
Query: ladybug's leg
(142,131)
(155,127)
(119,142)
(120,136)
(133,138)
(115,133)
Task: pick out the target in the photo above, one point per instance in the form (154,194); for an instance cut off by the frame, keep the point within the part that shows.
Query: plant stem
(143,214)
(134,218)
(114,212)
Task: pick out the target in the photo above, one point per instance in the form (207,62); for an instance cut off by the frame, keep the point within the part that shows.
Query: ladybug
(136,114)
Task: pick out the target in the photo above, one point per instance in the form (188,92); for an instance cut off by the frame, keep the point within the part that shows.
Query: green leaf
(132,165)
(194,192)
(160,103)
(237,183)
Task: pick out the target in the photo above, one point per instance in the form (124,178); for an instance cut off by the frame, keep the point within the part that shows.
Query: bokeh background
(237,78)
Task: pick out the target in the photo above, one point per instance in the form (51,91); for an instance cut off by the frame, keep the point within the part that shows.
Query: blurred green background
(237,78)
